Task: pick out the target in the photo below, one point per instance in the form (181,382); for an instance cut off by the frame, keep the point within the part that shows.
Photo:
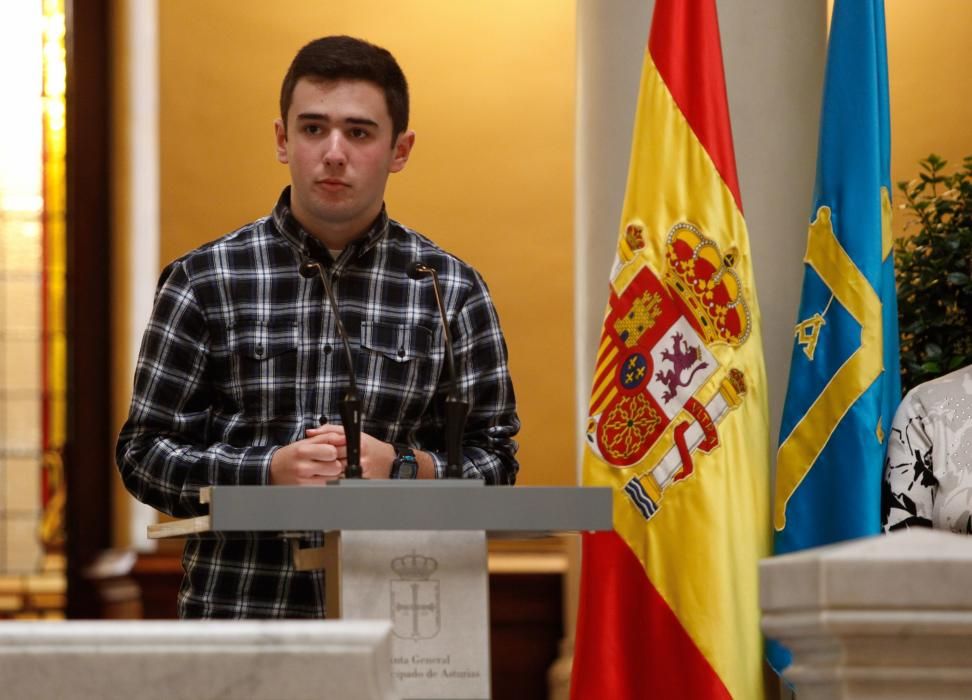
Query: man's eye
(358,133)
(312,129)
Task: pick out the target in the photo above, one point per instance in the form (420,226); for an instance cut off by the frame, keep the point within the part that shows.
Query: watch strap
(405,466)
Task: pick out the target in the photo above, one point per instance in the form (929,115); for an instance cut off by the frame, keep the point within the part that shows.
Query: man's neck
(334,240)
(337,236)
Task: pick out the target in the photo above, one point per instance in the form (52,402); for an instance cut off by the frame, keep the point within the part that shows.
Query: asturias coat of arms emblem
(415,609)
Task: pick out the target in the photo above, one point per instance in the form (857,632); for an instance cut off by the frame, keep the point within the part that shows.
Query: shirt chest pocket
(396,367)
(397,343)
(263,356)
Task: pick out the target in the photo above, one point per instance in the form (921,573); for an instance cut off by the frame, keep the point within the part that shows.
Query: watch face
(405,466)
(407,469)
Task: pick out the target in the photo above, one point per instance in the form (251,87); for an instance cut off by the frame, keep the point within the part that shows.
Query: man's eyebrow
(316,116)
(361,121)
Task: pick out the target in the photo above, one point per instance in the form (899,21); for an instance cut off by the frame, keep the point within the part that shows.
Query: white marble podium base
(196,660)
(434,587)
(886,618)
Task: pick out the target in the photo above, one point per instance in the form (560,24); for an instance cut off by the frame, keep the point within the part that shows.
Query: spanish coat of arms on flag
(654,358)
(678,421)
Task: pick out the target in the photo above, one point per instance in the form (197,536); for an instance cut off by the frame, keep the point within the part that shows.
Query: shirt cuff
(439,463)
(255,467)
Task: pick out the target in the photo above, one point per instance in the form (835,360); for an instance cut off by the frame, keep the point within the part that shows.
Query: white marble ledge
(909,570)
(197,660)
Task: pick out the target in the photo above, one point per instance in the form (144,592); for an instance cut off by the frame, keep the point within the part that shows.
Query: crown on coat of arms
(705,281)
(414,567)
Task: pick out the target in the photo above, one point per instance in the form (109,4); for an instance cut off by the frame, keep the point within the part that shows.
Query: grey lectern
(410,552)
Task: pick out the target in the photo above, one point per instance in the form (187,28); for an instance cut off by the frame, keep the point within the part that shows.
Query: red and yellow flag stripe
(669,605)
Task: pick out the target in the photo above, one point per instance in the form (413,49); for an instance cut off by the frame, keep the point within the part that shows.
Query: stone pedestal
(888,617)
(197,660)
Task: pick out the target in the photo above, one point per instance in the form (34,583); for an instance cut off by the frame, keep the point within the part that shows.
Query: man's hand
(312,461)
(376,456)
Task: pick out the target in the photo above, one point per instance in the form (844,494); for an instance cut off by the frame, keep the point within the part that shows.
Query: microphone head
(416,269)
(308,269)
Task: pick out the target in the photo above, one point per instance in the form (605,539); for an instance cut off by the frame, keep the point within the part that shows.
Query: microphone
(455,408)
(350,405)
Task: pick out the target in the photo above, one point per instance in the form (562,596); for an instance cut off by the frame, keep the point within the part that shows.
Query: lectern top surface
(388,505)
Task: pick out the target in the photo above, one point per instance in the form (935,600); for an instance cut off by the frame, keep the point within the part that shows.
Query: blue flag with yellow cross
(844,380)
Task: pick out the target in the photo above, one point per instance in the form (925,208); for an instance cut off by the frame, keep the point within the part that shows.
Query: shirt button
(401,352)
(258,351)
(327,349)
(322,420)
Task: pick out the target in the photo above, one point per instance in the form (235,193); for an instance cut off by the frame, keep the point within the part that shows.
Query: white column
(141,221)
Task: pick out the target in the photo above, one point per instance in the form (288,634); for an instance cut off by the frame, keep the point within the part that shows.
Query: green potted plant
(934,272)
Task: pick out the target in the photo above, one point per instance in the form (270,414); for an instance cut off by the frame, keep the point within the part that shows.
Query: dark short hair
(347,58)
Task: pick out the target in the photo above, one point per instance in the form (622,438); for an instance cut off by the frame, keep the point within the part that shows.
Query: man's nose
(335,152)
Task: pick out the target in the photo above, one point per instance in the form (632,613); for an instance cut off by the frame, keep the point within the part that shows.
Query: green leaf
(955,363)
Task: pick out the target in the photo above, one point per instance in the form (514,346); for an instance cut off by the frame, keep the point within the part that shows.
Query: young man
(241,372)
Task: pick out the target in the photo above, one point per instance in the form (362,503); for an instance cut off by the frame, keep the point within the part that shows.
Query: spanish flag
(678,423)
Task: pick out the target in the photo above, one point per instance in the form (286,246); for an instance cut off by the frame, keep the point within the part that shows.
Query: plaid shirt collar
(295,234)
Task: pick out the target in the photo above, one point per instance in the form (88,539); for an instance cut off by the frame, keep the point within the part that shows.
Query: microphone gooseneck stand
(455,408)
(351,404)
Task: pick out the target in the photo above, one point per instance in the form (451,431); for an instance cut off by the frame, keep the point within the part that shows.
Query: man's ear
(402,148)
(280,135)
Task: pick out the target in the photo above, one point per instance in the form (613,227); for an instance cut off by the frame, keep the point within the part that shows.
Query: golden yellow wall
(931,93)
(490,178)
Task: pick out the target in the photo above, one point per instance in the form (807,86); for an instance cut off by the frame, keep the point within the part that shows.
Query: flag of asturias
(678,413)
(844,376)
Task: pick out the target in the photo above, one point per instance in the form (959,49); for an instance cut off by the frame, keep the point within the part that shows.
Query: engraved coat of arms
(415,609)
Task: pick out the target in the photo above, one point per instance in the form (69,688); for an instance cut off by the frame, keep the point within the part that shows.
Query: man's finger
(326,430)
(329,438)
(318,452)
(327,469)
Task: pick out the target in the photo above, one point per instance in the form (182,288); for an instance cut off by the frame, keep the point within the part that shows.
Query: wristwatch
(405,465)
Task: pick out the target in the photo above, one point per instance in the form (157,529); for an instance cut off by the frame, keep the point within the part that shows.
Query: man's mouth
(332,183)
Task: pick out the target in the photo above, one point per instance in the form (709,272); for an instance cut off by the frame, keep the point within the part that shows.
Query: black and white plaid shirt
(242,356)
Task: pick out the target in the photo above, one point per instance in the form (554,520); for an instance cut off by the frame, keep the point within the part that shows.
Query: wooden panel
(158,577)
(88,461)
(526,624)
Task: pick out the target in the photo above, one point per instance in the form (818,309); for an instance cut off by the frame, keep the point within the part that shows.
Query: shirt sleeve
(910,486)
(164,452)
(482,372)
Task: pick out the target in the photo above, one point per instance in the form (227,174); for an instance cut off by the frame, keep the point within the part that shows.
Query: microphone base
(455,423)
(351,418)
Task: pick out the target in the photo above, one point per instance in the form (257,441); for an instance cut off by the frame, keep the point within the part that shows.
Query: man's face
(339,147)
